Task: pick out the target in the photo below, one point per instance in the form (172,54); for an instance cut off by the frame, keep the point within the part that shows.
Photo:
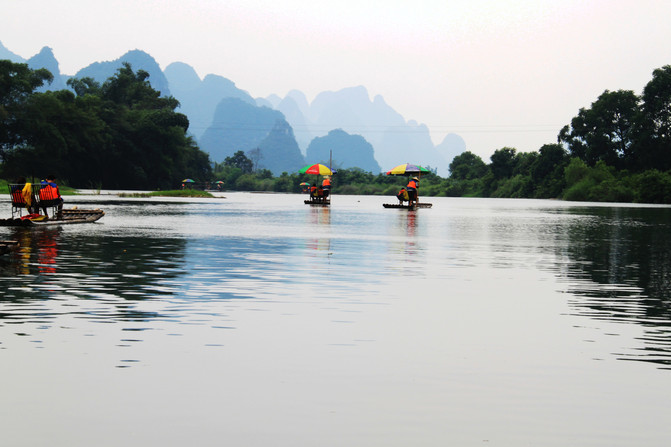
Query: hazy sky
(498,73)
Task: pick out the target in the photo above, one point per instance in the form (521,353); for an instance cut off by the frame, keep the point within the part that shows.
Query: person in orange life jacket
(412,187)
(326,185)
(313,191)
(402,196)
(26,193)
(51,196)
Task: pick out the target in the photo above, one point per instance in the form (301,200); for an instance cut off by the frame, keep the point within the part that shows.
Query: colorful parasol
(219,182)
(188,180)
(408,169)
(317,168)
(305,184)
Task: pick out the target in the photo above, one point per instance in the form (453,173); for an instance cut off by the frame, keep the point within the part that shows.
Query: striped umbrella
(408,169)
(317,168)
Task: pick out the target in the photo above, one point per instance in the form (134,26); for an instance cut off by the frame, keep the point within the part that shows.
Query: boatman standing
(412,187)
(326,185)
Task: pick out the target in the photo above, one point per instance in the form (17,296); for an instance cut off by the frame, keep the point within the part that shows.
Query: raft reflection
(48,266)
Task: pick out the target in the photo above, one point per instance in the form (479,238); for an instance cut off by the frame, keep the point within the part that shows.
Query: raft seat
(47,198)
(18,201)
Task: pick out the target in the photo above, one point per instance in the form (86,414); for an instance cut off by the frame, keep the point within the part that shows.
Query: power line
(396,128)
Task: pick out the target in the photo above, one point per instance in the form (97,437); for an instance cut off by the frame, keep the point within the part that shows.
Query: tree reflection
(620,266)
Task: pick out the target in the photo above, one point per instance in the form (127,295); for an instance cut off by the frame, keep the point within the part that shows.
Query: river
(255,320)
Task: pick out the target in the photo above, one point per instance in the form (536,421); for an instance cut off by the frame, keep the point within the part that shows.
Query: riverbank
(169,193)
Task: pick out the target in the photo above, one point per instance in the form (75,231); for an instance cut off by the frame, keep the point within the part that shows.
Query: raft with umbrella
(187,182)
(317,169)
(408,169)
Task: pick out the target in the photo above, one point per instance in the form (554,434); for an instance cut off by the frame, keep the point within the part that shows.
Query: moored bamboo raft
(68,216)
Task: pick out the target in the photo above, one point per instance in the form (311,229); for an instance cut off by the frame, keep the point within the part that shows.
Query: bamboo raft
(408,207)
(71,216)
(326,202)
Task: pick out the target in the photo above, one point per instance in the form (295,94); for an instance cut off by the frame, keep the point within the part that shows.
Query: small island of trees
(124,135)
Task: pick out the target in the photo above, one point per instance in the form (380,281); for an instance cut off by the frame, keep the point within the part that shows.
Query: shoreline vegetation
(168,193)
(129,137)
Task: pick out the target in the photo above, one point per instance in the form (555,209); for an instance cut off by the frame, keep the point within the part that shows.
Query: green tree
(523,163)
(503,162)
(654,186)
(122,134)
(17,83)
(148,146)
(605,131)
(547,172)
(84,86)
(241,161)
(467,166)
(654,150)
(575,171)
(64,135)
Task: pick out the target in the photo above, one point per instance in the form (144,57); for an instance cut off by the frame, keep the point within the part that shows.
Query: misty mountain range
(290,132)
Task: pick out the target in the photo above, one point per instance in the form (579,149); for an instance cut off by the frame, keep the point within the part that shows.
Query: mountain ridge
(393,139)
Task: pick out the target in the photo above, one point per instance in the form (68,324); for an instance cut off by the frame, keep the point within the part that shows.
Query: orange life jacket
(326,183)
(49,192)
(413,184)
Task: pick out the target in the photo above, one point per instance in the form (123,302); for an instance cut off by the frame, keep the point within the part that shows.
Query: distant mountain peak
(348,151)
(181,76)
(46,51)
(6,54)
(138,60)
(46,59)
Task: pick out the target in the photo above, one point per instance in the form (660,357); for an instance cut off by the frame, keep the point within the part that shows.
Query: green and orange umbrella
(316,168)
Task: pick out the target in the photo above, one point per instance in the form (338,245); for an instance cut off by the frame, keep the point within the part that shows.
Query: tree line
(617,150)
(124,135)
(121,134)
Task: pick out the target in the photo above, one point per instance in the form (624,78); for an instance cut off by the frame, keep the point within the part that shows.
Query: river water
(256,320)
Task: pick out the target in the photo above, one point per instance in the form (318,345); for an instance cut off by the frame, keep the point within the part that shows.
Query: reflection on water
(615,261)
(110,272)
(620,267)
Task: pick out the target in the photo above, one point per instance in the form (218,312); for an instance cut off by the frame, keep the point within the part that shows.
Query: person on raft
(326,185)
(412,187)
(26,189)
(402,196)
(51,196)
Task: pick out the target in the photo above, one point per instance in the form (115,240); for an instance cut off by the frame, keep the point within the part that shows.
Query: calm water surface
(256,320)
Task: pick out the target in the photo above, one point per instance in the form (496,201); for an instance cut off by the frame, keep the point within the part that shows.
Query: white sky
(498,73)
